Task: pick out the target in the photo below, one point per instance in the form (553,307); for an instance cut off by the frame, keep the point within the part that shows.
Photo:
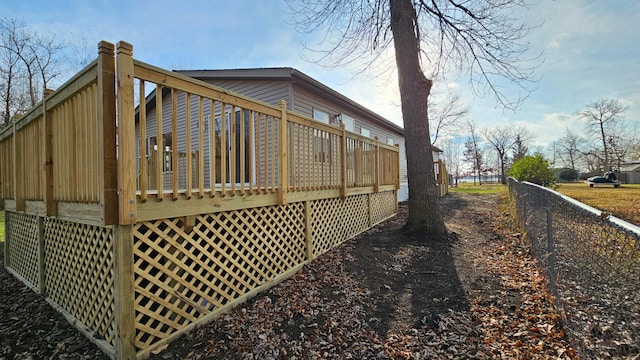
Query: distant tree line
(29,63)
(606,142)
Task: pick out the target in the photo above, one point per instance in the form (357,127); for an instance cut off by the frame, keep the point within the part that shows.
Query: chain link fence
(592,263)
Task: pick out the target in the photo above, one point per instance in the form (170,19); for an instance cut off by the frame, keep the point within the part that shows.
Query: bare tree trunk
(604,145)
(503,176)
(424,214)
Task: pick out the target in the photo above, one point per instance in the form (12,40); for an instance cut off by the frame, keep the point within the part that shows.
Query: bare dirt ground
(386,294)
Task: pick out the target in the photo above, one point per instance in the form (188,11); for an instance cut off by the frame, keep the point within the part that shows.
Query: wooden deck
(137,244)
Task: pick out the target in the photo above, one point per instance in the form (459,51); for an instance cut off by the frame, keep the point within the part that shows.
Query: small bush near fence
(592,263)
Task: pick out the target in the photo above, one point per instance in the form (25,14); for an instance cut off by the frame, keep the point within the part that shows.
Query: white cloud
(590,51)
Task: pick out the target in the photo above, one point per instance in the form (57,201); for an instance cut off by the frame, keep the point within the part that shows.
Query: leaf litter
(385,294)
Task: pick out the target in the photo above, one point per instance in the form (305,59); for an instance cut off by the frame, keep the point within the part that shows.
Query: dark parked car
(608,178)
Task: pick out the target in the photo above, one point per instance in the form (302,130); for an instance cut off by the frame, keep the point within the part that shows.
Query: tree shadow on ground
(417,277)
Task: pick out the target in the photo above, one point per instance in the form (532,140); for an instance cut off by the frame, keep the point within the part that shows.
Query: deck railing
(240,142)
(165,201)
(61,152)
(246,151)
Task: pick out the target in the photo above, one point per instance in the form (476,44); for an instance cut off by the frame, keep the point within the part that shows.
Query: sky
(590,50)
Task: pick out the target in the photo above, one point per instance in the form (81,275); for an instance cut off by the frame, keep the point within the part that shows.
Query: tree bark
(424,215)
(604,144)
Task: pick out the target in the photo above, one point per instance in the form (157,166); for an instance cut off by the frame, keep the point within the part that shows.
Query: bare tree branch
(603,117)
(432,37)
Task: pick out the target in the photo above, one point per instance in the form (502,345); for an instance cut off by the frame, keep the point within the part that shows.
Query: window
(321,116)
(365,132)
(152,149)
(322,146)
(207,120)
(237,124)
(348,122)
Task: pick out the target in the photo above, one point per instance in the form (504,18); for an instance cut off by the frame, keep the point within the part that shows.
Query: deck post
(108,171)
(42,288)
(376,176)
(7,239)
(308,233)
(370,205)
(18,186)
(126,190)
(51,206)
(283,183)
(126,134)
(343,162)
(124,292)
(398,167)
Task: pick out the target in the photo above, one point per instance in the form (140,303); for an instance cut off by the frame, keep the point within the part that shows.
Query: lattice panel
(383,205)
(336,220)
(79,273)
(23,245)
(181,275)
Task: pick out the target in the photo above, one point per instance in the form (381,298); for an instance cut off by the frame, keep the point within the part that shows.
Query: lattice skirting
(78,266)
(184,268)
(22,250)
(188,268)
(336,220)
(183,274)
(80,273)
(383,205)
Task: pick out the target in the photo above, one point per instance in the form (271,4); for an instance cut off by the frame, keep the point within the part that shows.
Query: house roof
(631,166)
(304,81)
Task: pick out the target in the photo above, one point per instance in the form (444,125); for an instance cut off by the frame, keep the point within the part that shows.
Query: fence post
(551,263)
(108,171)
(343,162)
(126,135)
(124,292)
(284,155)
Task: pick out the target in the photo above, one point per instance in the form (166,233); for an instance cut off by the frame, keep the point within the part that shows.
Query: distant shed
(630,172)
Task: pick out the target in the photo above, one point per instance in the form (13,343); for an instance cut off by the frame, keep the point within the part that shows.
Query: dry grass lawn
(621,202)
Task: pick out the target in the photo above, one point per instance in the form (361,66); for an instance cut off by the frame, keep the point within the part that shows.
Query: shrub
(566,174)
(533,169)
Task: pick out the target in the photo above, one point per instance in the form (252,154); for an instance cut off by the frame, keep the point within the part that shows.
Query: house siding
(298,100)
(630,173)
(304,103)
(209,119)
(272,91)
